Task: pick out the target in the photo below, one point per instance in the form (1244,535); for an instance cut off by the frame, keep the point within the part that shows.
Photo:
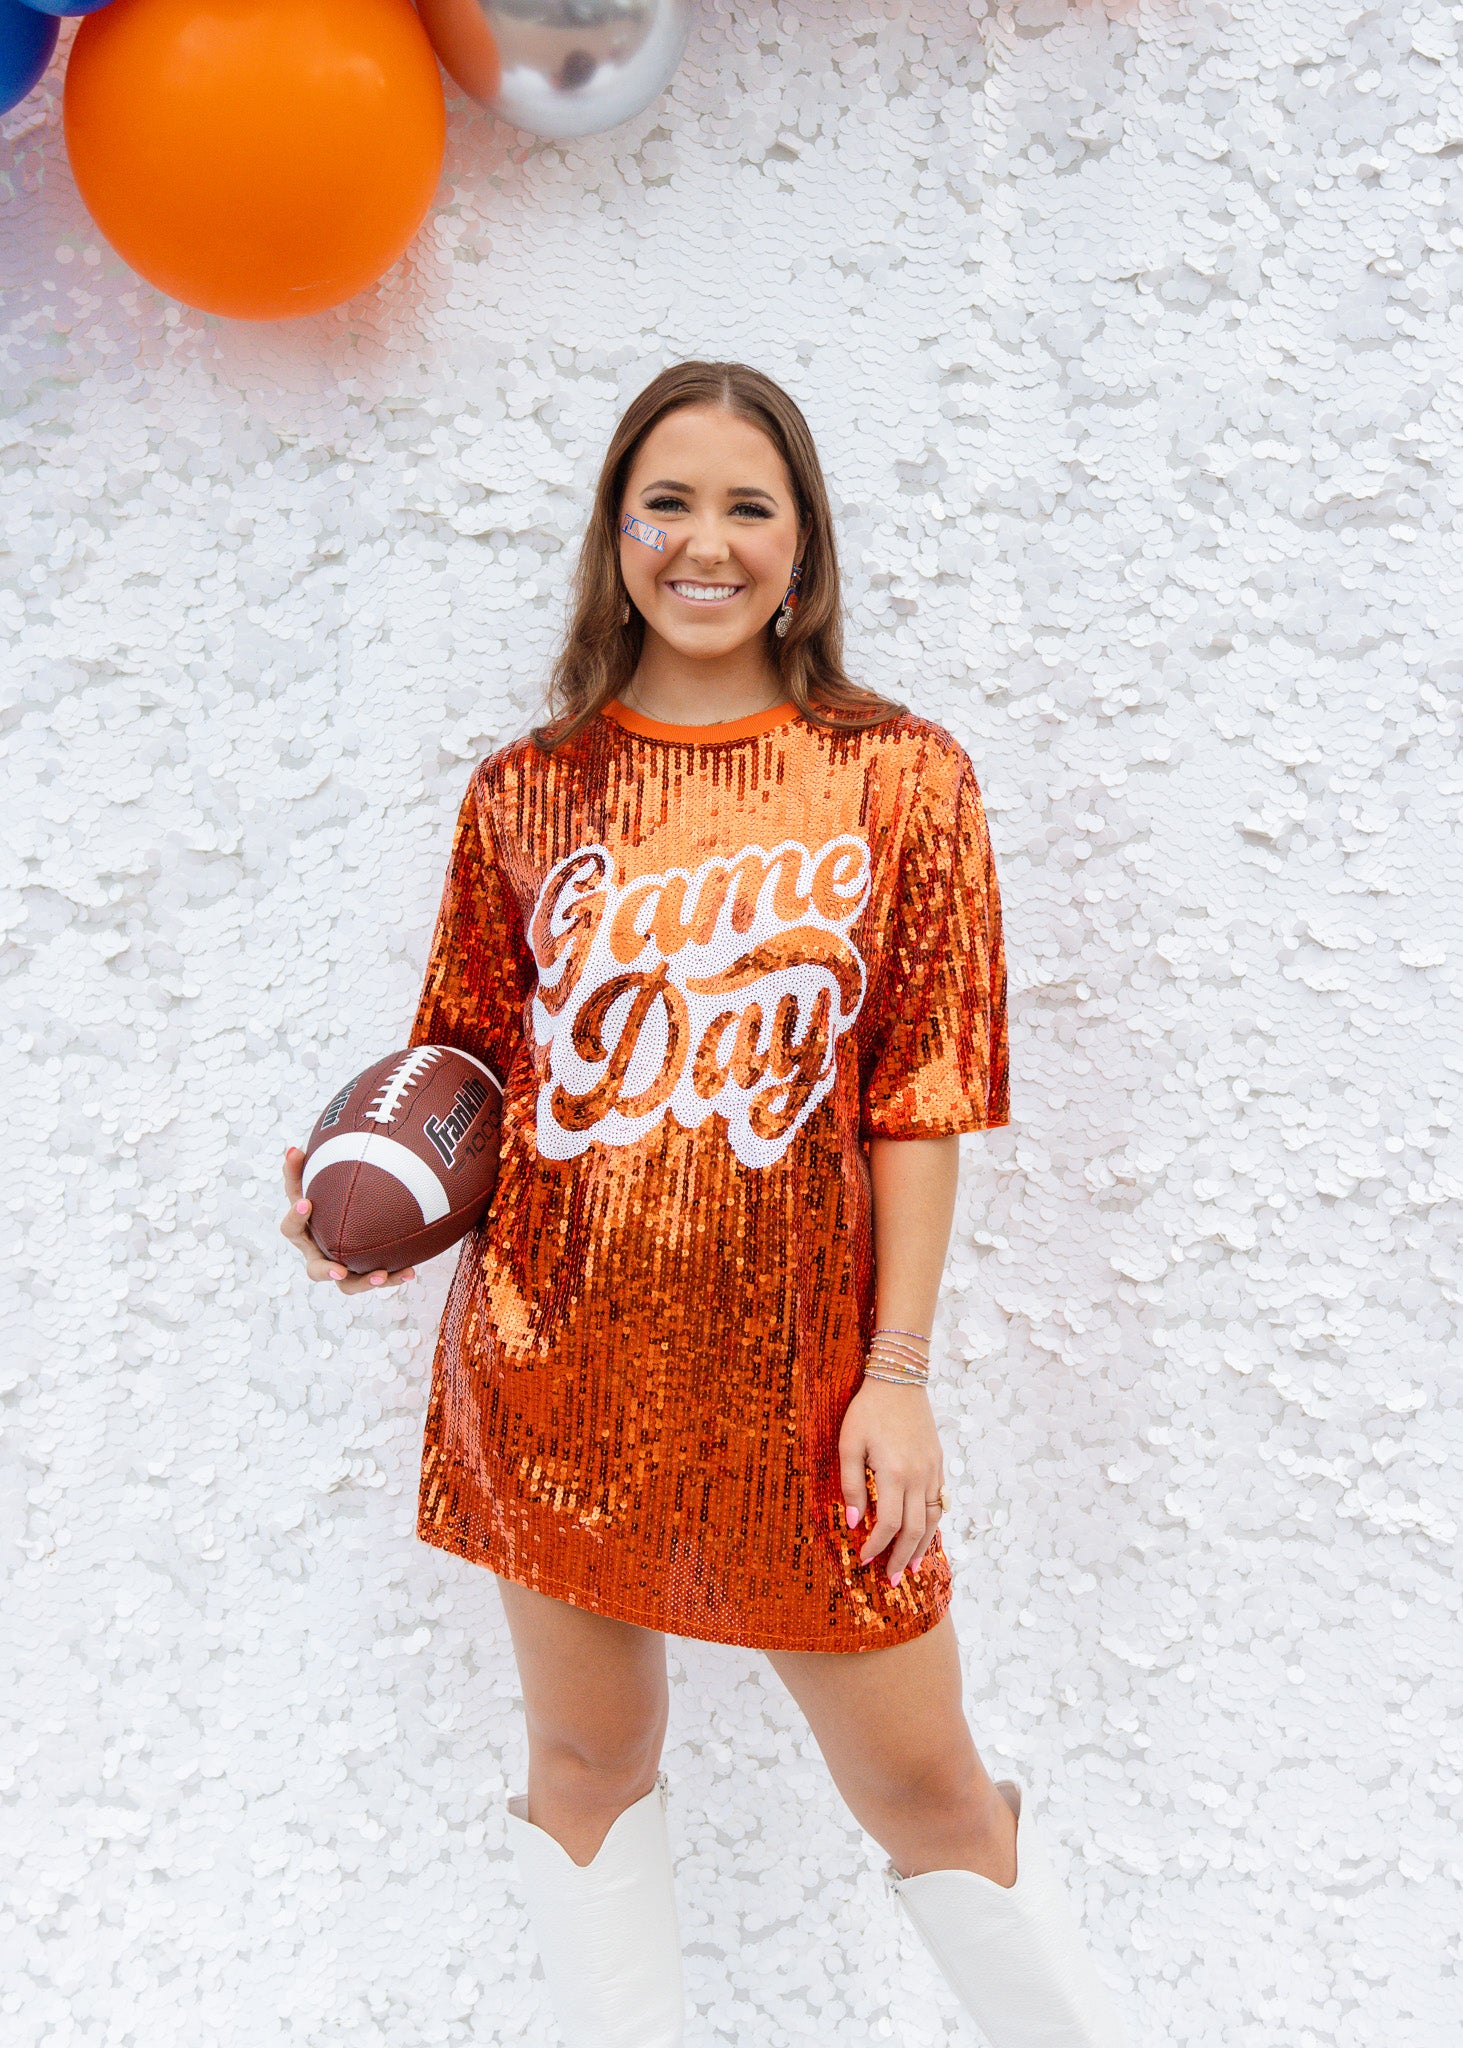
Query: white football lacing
(400,1081)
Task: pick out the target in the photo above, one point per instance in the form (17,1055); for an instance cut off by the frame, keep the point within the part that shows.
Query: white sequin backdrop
(1131,340)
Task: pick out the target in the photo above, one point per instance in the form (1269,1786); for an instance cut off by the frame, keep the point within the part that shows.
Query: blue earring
(789,604)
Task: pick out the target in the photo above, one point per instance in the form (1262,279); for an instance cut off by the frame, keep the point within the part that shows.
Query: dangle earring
(625,611)
(789,604)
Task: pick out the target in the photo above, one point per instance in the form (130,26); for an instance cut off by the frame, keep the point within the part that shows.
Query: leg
(893,1733)
(970,1869)
(595,1700)
(590,1838)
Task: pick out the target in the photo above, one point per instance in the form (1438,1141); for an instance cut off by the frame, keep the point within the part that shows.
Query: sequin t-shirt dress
(709,964)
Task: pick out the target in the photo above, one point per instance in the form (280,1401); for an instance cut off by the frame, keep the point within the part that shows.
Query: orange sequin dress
(709,964)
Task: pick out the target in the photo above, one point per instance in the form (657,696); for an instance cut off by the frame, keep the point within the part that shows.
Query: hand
(892,1429)
(296,1227)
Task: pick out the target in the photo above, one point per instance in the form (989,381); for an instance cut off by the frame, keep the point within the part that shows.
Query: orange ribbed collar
(701,735)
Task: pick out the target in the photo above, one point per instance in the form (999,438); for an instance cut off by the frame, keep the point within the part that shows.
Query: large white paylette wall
(1130,337)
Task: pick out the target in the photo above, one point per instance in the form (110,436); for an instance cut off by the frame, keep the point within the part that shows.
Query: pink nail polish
(895,1577)
(302,1208)
(377,1279)
(853,1516)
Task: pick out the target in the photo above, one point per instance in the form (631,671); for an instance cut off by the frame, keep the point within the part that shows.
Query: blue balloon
(67,6)
(26,42)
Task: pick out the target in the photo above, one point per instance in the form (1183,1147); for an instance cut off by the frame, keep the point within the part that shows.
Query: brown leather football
(403,1160)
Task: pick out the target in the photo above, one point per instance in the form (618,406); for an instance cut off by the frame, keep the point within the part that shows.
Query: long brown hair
(600,650)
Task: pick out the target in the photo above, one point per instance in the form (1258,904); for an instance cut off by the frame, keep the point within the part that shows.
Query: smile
(707,593)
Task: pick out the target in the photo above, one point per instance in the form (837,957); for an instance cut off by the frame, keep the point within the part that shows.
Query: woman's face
(719,491)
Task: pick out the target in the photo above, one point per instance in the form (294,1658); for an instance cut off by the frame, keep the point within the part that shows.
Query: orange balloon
(258,158)
(467,46)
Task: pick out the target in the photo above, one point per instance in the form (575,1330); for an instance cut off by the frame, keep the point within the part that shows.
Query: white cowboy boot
(606,1930)
(1013,1955)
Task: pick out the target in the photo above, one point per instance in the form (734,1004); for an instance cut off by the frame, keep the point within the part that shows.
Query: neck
(680,690)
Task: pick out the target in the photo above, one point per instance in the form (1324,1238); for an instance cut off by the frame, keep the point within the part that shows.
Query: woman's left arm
(890,1428)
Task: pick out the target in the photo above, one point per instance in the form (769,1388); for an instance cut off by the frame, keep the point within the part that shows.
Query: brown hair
(600,652)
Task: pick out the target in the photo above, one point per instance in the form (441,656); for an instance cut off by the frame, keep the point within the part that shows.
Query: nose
(706,545)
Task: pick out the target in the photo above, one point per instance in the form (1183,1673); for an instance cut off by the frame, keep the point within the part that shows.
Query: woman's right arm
(479,971)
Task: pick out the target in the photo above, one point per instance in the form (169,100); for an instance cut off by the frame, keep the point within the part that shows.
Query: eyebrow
(669,483)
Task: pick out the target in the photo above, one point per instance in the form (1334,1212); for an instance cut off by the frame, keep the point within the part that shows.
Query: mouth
(706,593)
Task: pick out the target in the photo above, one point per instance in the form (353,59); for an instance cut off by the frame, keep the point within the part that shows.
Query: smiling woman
(716,459)
(728,928)
(723,570)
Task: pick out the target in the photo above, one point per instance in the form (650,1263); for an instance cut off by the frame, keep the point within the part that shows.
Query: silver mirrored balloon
(560,68)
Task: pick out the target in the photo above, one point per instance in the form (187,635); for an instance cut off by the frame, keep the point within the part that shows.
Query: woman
(728,928)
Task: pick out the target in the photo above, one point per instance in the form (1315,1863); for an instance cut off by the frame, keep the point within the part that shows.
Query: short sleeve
(479,971)
(935,1061)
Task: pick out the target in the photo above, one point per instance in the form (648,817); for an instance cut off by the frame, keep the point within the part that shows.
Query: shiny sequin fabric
(708,969)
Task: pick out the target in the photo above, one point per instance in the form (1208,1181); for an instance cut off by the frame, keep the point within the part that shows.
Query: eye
(753,511)
(665,504)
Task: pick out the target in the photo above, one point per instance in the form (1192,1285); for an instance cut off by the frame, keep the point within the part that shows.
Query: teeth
(705,593)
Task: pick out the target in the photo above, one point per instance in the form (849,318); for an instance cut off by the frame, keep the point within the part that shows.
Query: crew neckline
(701,735)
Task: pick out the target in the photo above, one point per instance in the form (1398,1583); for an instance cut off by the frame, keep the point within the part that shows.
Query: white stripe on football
(403,1165)
(486,1072)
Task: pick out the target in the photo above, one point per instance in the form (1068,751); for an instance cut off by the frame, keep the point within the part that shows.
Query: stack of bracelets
(901,1356)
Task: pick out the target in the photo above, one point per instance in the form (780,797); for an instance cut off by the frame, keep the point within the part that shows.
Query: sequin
(709,970)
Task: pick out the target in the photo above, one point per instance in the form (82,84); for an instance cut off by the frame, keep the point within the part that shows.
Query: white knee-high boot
(1013,1955)
(606,1930)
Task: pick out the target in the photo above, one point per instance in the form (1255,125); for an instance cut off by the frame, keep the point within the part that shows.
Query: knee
(610,1761)
(935,1785)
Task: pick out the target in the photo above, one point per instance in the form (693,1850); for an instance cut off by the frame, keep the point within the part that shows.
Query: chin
(707,640)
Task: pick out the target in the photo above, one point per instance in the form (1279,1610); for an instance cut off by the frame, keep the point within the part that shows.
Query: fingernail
(337,1272)
(853,1516)
(914,1568)
(302,1208)
(895,1577)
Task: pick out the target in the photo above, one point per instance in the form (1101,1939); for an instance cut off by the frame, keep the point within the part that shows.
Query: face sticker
(652,536)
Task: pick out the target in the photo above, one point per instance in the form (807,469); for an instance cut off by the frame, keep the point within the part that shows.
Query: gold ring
(944,1501)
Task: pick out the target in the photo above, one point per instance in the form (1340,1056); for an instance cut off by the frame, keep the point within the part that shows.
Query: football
(404,1159)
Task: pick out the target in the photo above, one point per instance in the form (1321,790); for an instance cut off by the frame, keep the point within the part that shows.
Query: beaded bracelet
(896,1361)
